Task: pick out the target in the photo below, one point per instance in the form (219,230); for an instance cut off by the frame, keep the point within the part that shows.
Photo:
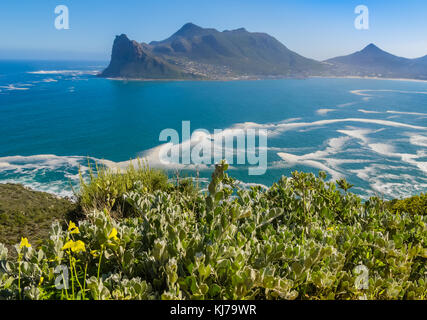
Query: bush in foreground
(106,188)
(302,238)
(415,205)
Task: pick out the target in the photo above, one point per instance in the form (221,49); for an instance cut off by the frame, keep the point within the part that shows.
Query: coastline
(260,79)
(370,78)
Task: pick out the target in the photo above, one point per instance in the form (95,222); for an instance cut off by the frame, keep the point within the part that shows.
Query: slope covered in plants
(303,238)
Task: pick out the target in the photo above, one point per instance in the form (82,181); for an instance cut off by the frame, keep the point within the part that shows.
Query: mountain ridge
(375,62)
(194,52)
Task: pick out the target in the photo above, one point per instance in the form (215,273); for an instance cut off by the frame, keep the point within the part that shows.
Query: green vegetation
(303,238)
(24,212)
(106,187)
(414,205)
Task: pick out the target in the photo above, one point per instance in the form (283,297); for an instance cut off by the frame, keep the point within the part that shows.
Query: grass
(27,213)
(106,187)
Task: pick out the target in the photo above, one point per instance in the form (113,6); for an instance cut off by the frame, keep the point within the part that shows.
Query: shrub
(414,205)
(302,238)
(106,187)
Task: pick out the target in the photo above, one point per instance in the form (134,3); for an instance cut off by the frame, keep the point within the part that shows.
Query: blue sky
(313,28)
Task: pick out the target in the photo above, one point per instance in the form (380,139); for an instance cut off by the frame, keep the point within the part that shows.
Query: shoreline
(370,78)
(29,188)
(260,79)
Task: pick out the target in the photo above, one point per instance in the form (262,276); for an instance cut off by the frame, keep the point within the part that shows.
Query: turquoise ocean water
(54,115)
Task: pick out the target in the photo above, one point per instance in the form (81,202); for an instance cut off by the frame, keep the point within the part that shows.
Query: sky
(313,28)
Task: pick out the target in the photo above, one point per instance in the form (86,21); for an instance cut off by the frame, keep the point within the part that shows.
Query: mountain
(130,60)
(196,52)
(372,61)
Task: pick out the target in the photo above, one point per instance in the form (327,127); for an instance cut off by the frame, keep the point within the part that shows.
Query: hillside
(24,212)
(375,62)
(142,237)
(130,60)
(194,52)
(210,54)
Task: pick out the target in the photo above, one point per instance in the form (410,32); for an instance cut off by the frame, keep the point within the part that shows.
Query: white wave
(12,87)
(314,159)
(363,92)
(277,128)
(348,104)
(368,111)
(293,160)
(288,120)
(57,188)
(360,92)
(324,112)
(47,159)
(389,151)
(360,134)
(50,80)
(32,171)
(397,189)
(408,113)
(391,185)
(65,72)
(418,140)
(381,148)
(393,112)
(157,157)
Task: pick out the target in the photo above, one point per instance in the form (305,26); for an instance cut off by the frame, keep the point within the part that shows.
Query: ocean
(56,117)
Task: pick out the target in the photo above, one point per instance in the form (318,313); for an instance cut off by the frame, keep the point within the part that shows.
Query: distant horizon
(318,31)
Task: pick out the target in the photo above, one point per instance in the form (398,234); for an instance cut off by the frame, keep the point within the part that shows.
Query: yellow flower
(24,243)
(41,281)
(73,228)
(330,229)
(113,235)
(94,253)
(75,246)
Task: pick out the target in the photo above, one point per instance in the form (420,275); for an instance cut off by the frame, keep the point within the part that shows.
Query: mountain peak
(188,29)
(372,48)
(190,25)
(206,53)
(122,37)
(240,30)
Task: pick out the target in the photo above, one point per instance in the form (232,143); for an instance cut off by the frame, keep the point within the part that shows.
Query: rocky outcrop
(130,60)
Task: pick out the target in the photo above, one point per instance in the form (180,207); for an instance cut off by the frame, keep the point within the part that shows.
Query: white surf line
(12,87)
(418,140)
(369,111)
(408,113)
(362,92)
(64,72)
(392,112)
(275,129)
(334,146)
(388,151)
(324,112)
